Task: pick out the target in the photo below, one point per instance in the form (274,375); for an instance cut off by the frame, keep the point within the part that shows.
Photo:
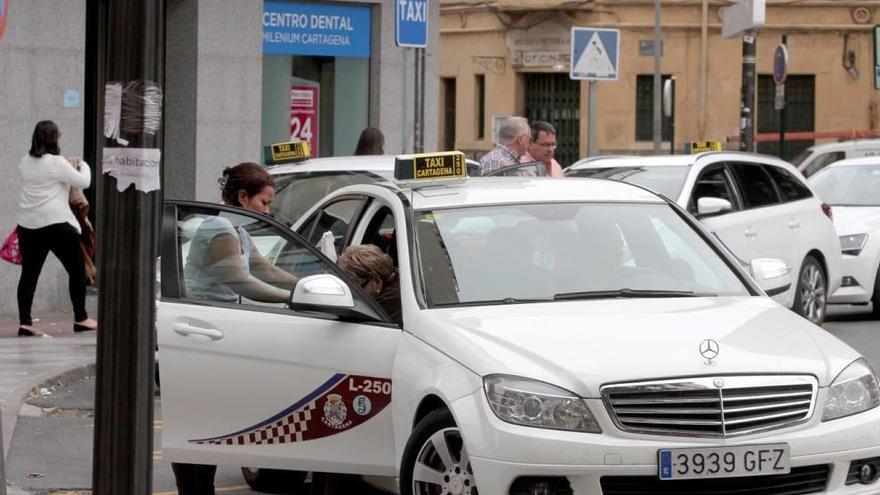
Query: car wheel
(435,460)
(809,298)
(875,299)
(274,480)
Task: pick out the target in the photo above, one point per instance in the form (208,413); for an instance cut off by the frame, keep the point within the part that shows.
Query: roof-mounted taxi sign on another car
(287,152)
(430,167)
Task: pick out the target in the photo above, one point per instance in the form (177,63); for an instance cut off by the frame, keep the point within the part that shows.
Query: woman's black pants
(62,240)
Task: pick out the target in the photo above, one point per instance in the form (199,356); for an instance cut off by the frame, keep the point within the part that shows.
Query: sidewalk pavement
(29,362)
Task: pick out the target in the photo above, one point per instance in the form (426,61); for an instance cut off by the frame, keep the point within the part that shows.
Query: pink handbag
(10,251)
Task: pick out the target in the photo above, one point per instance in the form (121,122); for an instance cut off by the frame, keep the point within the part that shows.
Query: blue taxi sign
(430,166)
(286,152)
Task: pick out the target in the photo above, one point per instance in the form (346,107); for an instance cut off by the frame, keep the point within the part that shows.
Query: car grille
(720,406)
(801,480)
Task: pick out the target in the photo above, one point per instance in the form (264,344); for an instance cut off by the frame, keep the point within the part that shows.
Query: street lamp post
(131,55)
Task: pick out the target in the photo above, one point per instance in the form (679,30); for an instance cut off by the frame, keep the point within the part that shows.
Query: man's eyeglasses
(547,145)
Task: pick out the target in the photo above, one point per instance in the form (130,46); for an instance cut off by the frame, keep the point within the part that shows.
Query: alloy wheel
(812,292)
(443,466)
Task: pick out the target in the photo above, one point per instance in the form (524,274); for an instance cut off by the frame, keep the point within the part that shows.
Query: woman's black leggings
(63,240)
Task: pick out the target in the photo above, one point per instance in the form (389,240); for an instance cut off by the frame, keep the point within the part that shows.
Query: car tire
(810,297)
(875,299)
(274,480)
(422,459)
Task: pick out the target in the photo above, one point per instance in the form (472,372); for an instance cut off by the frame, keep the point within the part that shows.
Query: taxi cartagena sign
(701,146)
(430,166)
(4,9)
(412,23)
(291,28)
(287,152)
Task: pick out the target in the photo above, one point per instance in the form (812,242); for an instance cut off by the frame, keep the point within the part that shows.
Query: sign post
(595,55)
(780,73)
(742,19)
(876,54)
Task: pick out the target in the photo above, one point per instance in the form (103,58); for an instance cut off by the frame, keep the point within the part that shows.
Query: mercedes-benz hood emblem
(709,349)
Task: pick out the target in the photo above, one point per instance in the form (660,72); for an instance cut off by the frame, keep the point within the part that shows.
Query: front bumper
(501,452)
(864,270)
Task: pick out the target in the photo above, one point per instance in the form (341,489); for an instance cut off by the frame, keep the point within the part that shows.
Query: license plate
(723,462)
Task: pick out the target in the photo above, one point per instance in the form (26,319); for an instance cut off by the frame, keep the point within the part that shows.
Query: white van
(815,158)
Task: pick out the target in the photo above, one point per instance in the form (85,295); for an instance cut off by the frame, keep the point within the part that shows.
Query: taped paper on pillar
(137,166)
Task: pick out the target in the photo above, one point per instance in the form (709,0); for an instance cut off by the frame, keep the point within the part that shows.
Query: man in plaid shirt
(513,142)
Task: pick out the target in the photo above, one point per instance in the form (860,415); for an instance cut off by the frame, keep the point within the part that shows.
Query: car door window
(337,218)
(713,182)
(381,232)
(755,185)
(235,257)
(790,187)
(823,161)
(295,193)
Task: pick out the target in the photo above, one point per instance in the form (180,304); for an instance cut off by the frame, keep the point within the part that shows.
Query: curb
(11,405)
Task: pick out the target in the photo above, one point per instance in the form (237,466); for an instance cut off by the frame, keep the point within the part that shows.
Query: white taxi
(558,336)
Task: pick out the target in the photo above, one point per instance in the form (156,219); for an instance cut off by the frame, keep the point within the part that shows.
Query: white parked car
(815,158)
(558,337)
(758,206)
(852,187)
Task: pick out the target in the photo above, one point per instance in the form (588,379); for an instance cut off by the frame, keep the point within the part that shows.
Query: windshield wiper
(634,293)
(489,302)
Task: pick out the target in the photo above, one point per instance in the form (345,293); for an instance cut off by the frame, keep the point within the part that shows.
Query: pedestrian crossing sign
(595,53)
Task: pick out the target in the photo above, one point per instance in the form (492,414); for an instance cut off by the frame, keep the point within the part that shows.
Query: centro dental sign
(293,28)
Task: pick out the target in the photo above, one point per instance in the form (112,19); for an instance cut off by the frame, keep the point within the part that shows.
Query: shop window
(645,110)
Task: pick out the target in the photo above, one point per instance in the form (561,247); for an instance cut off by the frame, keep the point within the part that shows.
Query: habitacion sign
(316,29)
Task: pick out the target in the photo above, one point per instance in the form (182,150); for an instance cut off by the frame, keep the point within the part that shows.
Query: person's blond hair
(365,262)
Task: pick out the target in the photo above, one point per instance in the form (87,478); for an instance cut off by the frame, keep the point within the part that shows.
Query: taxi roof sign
(287,152)
(701,146)
(430,166)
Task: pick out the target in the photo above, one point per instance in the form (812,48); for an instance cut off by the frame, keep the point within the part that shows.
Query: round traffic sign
(4,9)
(780,64)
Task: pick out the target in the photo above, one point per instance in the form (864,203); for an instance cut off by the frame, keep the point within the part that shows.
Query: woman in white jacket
(46,223)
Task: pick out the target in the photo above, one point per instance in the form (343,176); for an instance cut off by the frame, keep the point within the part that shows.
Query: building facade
(240,74)
(513,57)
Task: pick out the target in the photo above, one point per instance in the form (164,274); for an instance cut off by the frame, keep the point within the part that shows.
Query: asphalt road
(52,445)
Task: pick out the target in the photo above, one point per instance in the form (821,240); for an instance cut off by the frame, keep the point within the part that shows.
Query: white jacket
(45,189)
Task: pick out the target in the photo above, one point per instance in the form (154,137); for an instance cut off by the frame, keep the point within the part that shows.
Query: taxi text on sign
(316,29)
(595,53)
(287,152)
(430,166)
(412,23)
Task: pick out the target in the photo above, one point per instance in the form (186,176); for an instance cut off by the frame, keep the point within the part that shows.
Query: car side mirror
(323,290)
(774,276)
(328,294)
(708,205)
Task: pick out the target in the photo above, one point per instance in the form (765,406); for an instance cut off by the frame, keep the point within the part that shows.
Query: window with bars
(645,110)
(556,99)
(800,110)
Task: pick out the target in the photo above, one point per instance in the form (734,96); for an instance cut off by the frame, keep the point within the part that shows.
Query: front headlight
(526,402)
(854,390)
(853,244)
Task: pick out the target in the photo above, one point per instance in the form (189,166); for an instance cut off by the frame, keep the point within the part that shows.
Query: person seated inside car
(373,271)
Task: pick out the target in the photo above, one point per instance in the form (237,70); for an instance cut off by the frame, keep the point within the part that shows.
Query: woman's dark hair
(45,139)
(248,177)
(371,142)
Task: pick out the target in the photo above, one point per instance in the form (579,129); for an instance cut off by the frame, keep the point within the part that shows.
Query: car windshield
(848,186)
(561,251)
(295,193)
(662,179)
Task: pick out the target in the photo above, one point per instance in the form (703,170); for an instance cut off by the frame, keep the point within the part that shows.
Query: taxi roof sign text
(701,146)
(287,152)
(430,166)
